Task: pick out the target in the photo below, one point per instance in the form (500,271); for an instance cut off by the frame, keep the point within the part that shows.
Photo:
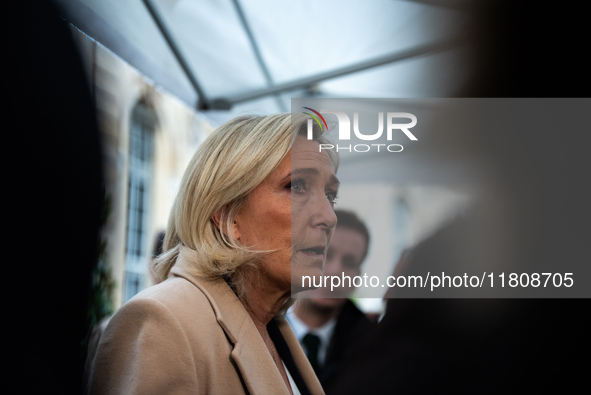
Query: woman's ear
(236,231)
(216,218)
(219,219)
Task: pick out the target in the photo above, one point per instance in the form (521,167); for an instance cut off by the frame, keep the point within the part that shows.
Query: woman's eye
(332,197)
(297,186)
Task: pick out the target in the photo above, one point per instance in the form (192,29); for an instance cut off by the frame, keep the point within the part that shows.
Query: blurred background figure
(535,213)
(327,323)
(157,250)
(53,203)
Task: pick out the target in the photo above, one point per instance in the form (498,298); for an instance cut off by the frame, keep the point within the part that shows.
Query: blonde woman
(216,324)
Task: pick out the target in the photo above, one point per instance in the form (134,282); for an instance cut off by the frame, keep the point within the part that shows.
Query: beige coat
(190,336)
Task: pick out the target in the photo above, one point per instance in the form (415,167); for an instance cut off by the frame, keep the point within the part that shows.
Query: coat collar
(250,354)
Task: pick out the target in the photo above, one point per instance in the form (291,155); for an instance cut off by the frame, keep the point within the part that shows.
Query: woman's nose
(324,215)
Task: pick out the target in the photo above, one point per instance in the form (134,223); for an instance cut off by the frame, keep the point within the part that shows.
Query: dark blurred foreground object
(541,196)
(53,200)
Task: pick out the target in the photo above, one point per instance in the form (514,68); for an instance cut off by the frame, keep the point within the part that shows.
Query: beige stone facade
(177,131)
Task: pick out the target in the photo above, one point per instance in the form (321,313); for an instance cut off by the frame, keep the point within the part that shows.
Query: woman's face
(291,212)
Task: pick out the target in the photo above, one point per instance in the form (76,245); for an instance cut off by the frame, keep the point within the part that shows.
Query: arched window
(141,148)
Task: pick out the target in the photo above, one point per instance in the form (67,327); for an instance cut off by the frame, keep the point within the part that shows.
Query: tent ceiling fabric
(255,54)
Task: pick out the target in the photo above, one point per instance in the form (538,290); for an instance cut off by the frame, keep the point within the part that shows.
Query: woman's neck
(262,303)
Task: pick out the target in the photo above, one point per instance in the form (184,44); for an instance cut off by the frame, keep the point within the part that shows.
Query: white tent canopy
(254,55)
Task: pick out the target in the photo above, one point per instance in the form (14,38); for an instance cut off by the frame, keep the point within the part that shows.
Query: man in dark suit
(328,324)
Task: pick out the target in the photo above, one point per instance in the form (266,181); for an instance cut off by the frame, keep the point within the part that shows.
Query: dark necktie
(312,344)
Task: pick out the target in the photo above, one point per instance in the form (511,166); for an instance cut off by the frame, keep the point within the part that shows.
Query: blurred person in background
(156,251)
(326,322)
(53,201)
(535,215)
(216,324)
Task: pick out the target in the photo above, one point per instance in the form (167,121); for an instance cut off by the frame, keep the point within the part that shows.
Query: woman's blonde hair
(229,164)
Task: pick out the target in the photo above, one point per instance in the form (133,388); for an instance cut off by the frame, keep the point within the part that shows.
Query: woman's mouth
(314,251)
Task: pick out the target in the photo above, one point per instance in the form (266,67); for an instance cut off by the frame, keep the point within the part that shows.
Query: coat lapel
(250,355)
(300,358)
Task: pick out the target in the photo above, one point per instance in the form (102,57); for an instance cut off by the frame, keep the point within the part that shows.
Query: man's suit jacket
(190,335)
(351,329)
